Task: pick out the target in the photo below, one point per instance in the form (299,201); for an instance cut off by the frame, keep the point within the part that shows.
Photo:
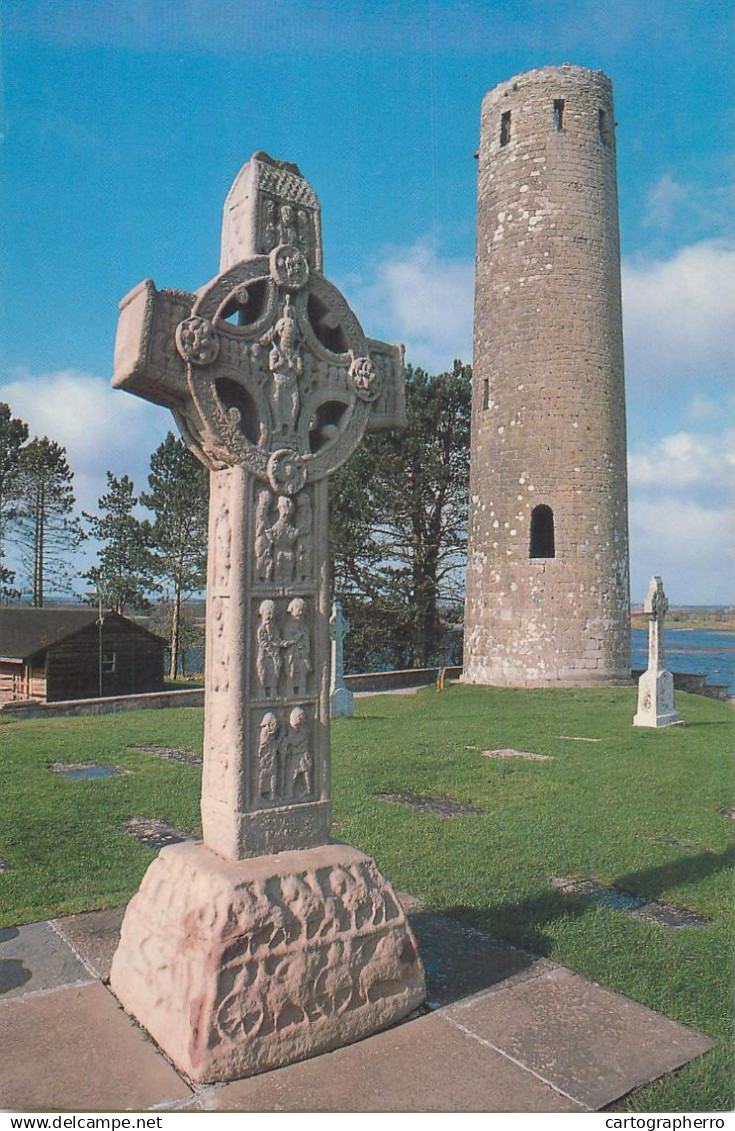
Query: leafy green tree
(13,435)
(45,530)
(399,520)
(179,499)
(126,570)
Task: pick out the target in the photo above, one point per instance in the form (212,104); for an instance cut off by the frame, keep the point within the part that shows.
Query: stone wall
(548,425)
(110,705)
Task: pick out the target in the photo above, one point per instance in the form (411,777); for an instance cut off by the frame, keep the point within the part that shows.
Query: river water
(703,650)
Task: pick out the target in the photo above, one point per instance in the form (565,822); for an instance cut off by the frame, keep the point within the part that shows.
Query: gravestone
(656,707)
(265,943)
(340,696)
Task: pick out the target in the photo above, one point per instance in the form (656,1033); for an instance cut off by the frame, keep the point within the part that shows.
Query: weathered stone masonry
(547,577)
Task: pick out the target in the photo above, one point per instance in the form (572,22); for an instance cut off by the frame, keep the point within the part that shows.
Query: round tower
(547,573)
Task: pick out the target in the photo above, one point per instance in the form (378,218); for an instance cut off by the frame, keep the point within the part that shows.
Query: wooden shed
(53,654)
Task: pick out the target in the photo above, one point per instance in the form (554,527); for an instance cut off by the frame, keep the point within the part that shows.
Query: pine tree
(45,530)
(13,435)
(179,499)
(126,570)
(398,524)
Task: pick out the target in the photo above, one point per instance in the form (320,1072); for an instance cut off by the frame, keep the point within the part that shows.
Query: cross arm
(389,408)
(146,360)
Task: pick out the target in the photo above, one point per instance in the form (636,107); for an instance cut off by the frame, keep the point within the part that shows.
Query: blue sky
(125,124)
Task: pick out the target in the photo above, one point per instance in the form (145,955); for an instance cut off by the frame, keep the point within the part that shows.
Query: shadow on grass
(522,923)
(460,961)
(708,723)
(686,870)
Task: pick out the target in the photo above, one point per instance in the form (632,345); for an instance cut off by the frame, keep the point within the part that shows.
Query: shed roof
(25,632)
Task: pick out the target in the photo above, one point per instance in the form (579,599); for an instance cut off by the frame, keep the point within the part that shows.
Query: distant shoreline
(685,621)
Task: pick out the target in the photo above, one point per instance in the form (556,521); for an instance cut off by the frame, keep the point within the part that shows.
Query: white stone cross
(655,607)
(656,706)
(341,698)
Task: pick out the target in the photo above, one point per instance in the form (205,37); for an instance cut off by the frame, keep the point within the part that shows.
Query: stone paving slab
(512,1031)
(74,1049)
(592,1043)
(34,958)
(94,935)
(423,1065)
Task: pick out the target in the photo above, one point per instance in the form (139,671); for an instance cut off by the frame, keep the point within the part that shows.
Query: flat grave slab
(155,833)
(81,771)
(171,754)
(75,1050)
(638,907)
(35,957)
(422,1065)
(507,752)
(591,1043)
(439,806)
(94,935)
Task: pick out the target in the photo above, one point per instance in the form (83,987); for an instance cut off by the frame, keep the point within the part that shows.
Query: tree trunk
(38,550)
(175,633)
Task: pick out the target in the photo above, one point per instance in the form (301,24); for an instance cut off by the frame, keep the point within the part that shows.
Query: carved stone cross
(656,707)
(266,943)
(341,698)
(273,384)
(655,607)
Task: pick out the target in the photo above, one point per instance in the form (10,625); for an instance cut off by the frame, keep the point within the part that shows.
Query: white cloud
(682,518)
(100,428)
(703,408)
(662,201)
(420,298)
(686,460)
(679,316)
(689,544)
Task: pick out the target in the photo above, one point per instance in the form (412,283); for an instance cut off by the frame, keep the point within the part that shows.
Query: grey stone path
(506,1030)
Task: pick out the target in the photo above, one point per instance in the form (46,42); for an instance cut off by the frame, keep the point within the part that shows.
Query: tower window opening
(605,125)
(542,532)
(558,113)
(485,394)
(505,128)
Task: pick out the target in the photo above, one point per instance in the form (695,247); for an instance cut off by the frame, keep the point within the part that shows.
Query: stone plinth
(238,967)
(656,707)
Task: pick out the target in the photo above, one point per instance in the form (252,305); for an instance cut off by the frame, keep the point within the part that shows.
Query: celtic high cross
(266,942)
(656,701)
(273,384)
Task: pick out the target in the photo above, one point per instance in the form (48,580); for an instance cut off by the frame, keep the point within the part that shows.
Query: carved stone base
(238,967)
(341,703)
(656,707)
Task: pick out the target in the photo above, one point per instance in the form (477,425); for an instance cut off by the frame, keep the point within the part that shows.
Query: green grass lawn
(640,809)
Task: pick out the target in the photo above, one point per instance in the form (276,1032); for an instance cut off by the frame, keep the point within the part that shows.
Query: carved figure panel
(285,757)
(283,657)
(283,538)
